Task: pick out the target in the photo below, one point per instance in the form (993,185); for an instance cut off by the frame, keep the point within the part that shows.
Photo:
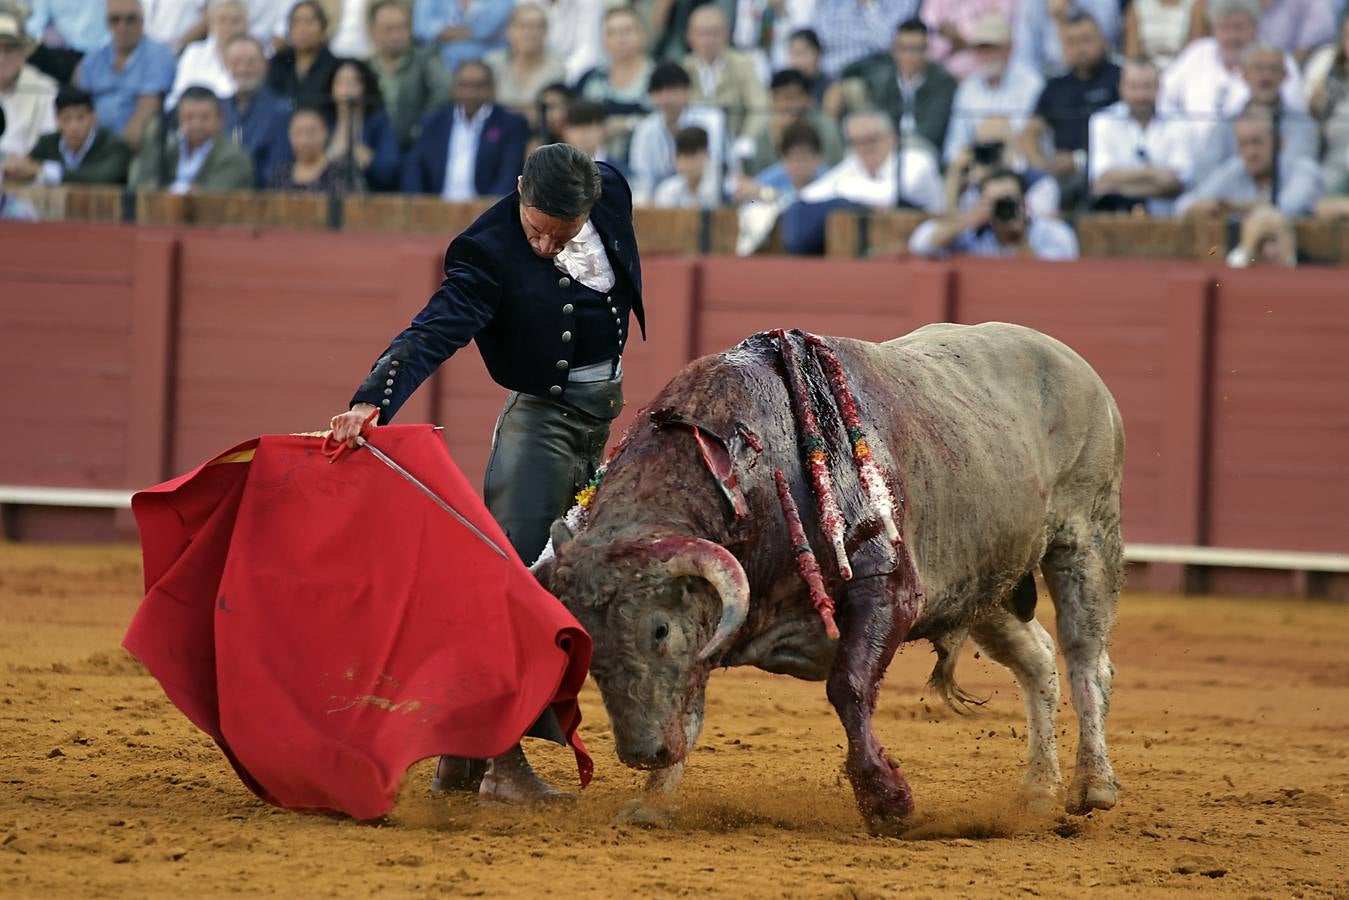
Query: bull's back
(999,433)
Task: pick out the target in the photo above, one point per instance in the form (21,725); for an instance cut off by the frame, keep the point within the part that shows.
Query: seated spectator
(203,63)
(1158,30)
(26,95)
(852,29)
(1267,239)
(998,225)
(1248,179)
(255,118)
(470,148)
(585,129)
(574,34)
(1328,98)
(621,83)
(311,169)
(74,24)
(1038,26)
(175,23)
(13,209)
(128,76)
(554,100)
(1264,70)
(1138,156)
(651,158)
(358,125)
(877,173)
(993,150)
(1002,84)
(413,80)
(723,77)
(916,92)
(777,187)
(525,66)
(949,24)
(801,162)
(200,157)
(461,30)
(302,70)
(804,54)
(1055,138)
(1207,82)
(790,103)
(79,152)
(1297,27)
(693,185)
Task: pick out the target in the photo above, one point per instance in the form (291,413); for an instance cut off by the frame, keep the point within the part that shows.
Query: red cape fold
(329,625)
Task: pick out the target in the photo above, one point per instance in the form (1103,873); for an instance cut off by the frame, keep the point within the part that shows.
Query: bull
(1002,449)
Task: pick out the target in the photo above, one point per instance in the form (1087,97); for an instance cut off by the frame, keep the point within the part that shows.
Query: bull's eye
(662,632)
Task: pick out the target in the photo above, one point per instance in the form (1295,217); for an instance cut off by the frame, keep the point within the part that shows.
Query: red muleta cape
(329,625)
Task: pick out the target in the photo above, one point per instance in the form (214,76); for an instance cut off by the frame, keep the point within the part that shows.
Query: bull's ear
(560,534)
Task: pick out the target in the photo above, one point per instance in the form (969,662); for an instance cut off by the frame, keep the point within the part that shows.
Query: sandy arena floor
(1230,733)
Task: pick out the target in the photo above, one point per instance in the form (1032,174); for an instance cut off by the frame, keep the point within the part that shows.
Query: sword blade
(412,479)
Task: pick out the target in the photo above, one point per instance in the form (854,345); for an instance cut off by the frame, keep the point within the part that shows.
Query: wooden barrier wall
(130,354)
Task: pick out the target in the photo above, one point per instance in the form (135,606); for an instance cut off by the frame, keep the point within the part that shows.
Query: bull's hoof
(644,815)
(1038,797)
(1087,794)
(888,826)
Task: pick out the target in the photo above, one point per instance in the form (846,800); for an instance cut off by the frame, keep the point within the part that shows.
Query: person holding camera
(996,226)
(993,149)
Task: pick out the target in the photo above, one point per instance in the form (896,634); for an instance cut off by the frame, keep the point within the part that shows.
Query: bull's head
(659,611)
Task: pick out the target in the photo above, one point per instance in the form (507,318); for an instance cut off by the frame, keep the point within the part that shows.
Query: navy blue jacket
(517,305)
(501,153)
(261,130)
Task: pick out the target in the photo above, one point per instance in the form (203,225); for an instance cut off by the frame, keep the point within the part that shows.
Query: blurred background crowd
(1000,119)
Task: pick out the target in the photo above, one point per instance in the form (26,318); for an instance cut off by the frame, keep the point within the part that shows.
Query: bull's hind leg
(1028,650)
(1084,572)
(871,625)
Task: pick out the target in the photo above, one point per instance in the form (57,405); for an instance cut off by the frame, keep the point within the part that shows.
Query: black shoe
(455,773)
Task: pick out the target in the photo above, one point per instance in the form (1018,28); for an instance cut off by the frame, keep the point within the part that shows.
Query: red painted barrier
(131,354)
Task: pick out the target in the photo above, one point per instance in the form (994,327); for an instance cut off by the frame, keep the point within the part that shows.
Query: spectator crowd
(1000,119)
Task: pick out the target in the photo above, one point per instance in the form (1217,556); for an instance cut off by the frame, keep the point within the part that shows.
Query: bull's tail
(943,677)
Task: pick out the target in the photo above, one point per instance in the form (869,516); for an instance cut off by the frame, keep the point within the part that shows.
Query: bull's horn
(703,559)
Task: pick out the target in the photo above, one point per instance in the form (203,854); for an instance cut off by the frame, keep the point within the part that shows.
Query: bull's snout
(657,755)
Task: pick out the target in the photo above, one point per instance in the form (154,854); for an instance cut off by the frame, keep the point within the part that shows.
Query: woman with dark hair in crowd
(304,67)
(552,115)
(312,170)
(803,54)
(359,126)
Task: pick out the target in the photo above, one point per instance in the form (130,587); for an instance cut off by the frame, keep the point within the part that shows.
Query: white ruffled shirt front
(584,260)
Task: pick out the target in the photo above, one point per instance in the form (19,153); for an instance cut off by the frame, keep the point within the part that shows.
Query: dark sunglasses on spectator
(128,19)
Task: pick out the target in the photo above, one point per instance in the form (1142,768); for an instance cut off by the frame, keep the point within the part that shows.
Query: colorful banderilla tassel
(881,500)
(805,557)
(812,443)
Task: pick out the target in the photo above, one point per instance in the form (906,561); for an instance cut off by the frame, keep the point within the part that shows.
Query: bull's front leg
(656,808)
(871,626)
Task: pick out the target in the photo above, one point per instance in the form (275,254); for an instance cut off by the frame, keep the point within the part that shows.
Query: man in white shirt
(351,38)
(27,96)
(877,173)
(1136,155)
(203,63)
(575,34)
(1206,83)
(1001,87)
(694,185)
(175,23)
